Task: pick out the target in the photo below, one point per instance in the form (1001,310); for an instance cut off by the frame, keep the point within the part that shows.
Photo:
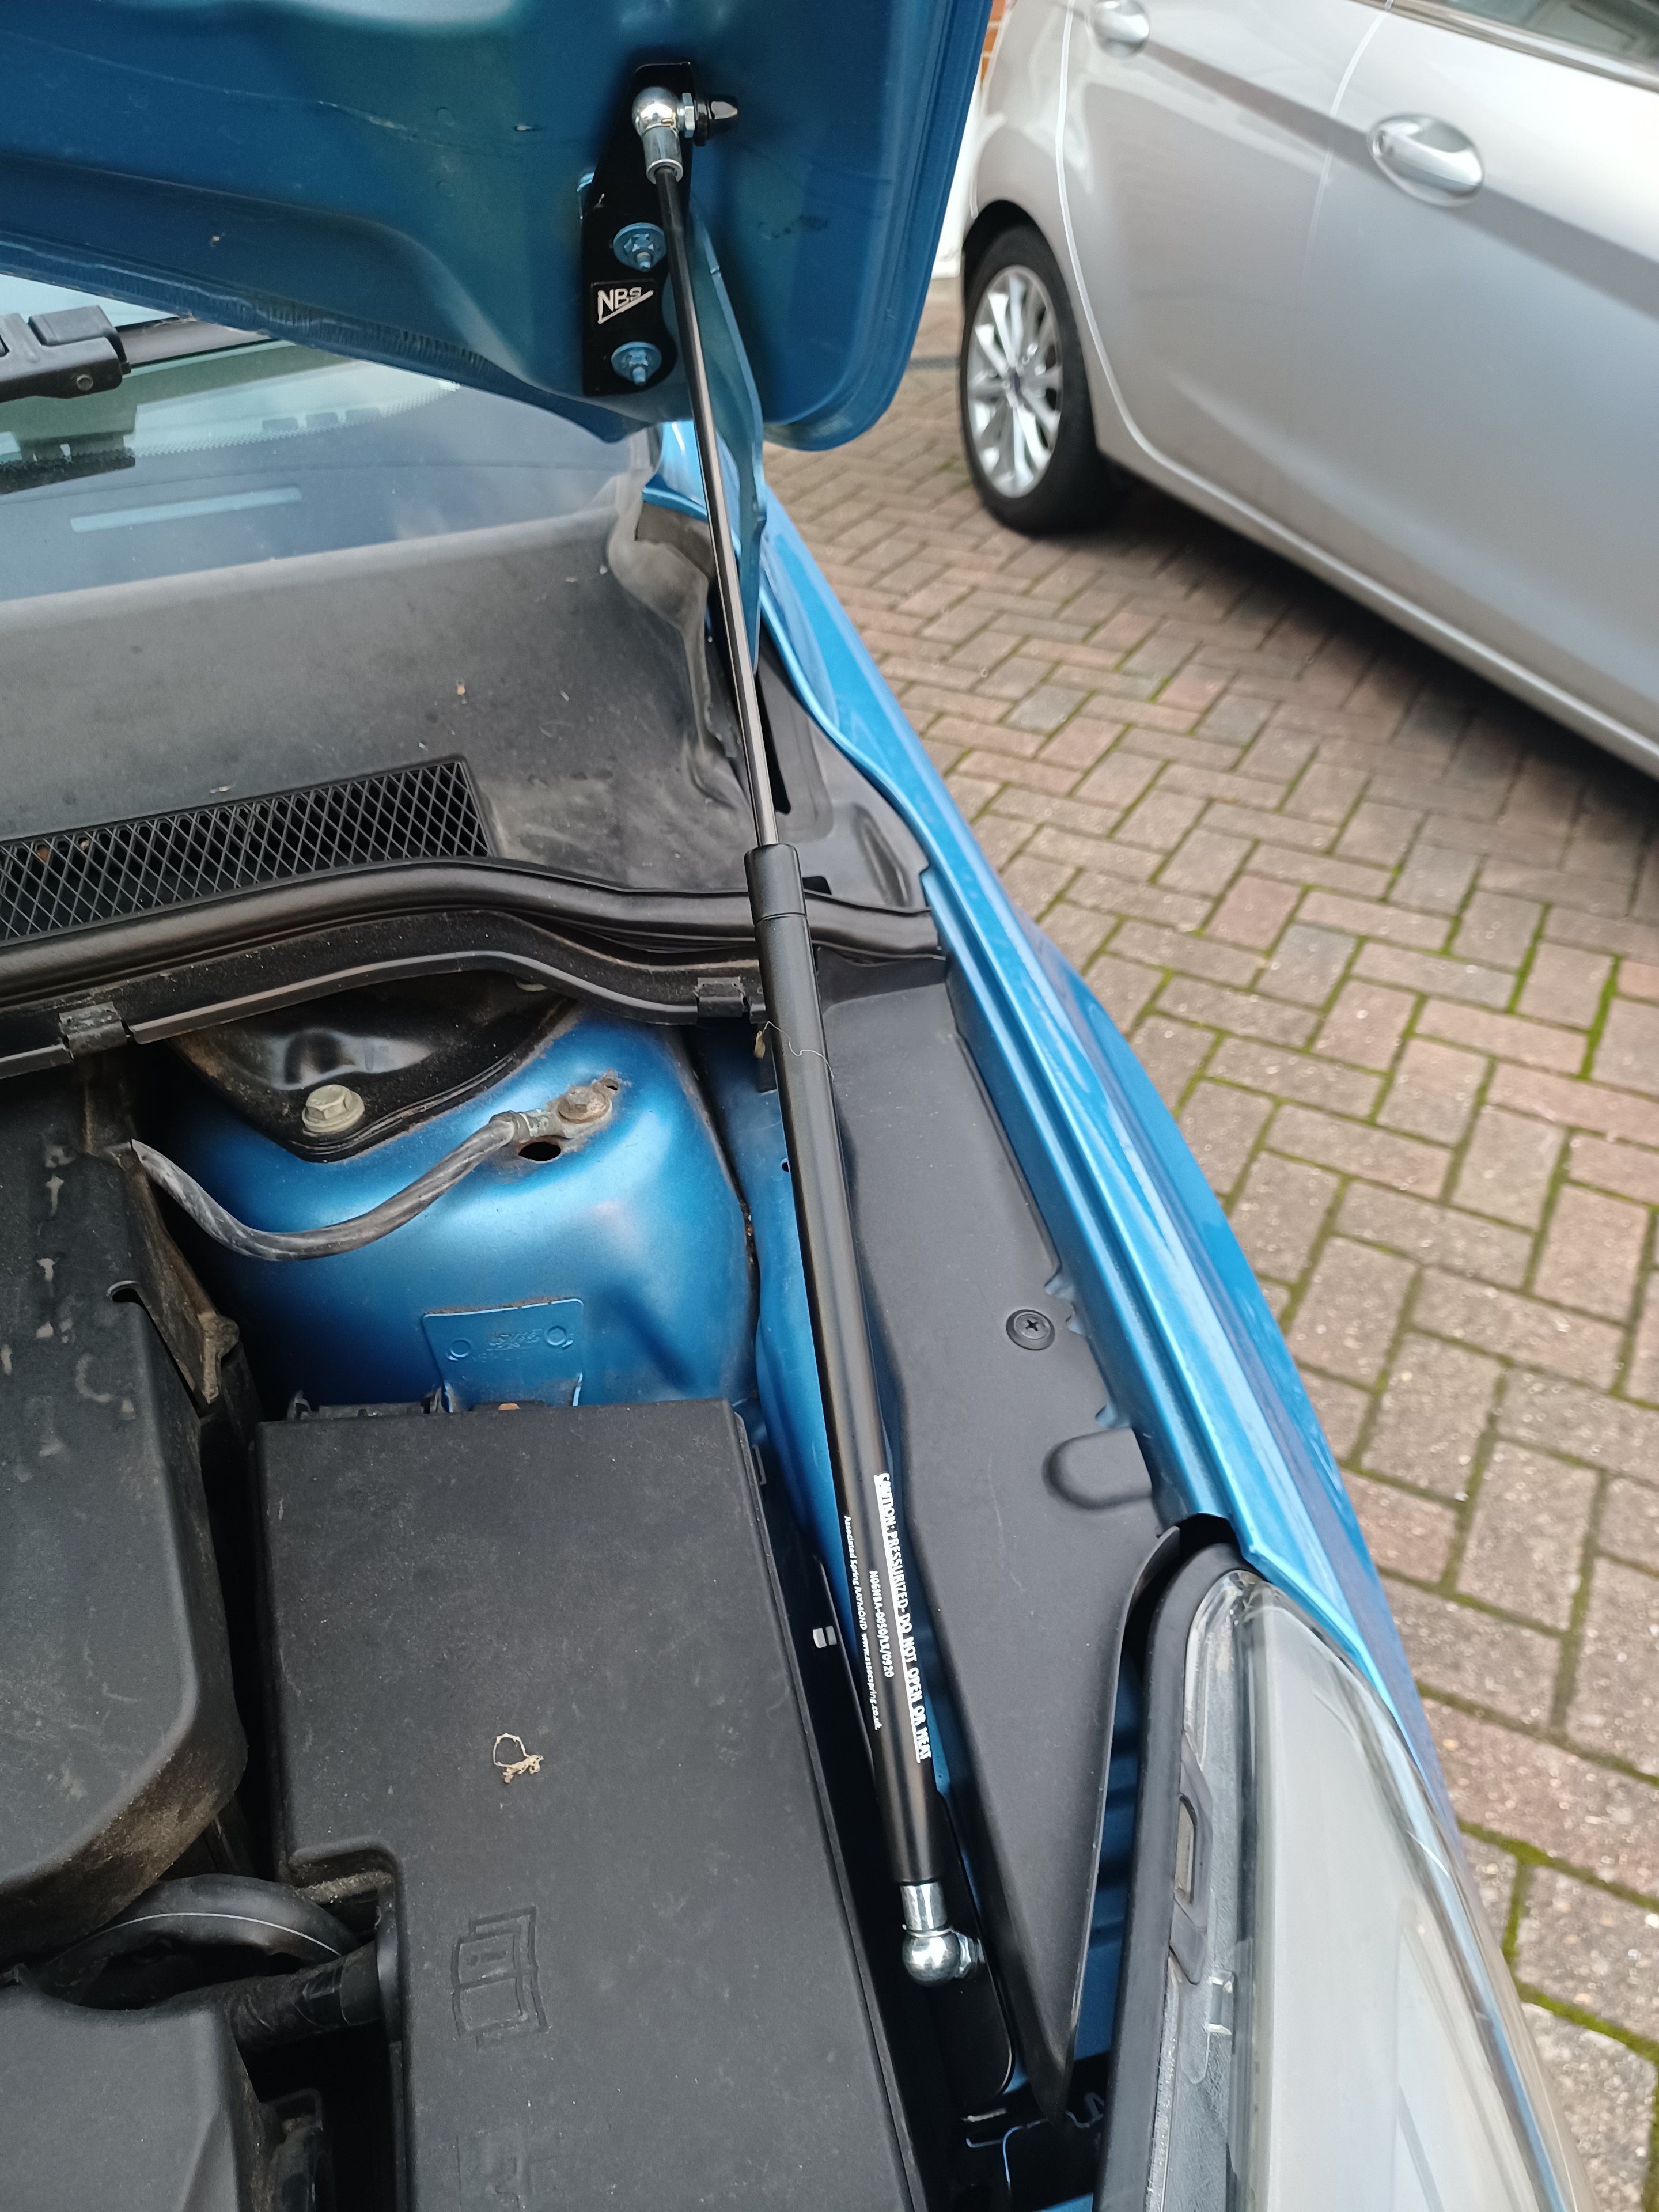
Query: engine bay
(431,1754)
(570,1594)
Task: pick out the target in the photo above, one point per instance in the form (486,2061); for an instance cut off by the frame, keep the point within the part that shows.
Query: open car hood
(403,179)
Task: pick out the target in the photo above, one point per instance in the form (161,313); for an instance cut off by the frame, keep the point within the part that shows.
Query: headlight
(1337,2026)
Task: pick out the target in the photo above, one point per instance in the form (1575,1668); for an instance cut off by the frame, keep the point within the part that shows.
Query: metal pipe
(896,1716)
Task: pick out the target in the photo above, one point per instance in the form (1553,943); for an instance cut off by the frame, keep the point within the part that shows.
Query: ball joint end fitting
(944,1955)
(657,120)
(933,1952)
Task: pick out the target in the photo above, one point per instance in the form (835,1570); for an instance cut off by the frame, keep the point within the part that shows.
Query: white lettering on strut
(919,1735)
(856,1581)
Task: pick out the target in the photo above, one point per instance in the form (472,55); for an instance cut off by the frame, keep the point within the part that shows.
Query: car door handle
(1121,23)
(1426,157)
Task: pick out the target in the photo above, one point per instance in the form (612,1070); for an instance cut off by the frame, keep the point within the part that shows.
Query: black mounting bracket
(626,343)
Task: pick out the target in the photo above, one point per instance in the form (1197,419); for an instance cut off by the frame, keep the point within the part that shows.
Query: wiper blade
(77,351)
(57,460)
(175,337)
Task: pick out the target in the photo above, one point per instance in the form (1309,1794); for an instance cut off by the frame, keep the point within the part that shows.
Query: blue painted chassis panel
(1190,1349)
(642,1225)
(786,1363)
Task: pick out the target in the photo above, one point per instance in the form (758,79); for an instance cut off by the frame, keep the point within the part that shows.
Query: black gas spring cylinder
(933,1950)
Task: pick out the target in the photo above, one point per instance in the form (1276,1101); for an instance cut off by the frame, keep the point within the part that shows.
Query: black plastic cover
(119,1733)
(410,1049)
(534,1661)
(1032,1524)
(59,356)
(597,733)
(147,2111)
(569,690)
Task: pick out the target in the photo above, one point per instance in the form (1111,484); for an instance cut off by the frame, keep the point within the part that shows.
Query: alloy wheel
(1014,381)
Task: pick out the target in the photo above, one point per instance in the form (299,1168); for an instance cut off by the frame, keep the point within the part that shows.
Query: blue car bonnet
(402,179)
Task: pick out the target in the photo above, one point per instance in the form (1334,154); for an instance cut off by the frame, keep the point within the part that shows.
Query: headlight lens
(1339,2028)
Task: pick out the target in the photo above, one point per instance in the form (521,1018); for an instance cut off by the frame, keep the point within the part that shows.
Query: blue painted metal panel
(786,1363)
(399,178)
(641,1225)
(487,1355)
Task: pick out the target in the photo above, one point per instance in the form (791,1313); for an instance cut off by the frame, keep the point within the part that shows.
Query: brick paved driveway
(1388,945)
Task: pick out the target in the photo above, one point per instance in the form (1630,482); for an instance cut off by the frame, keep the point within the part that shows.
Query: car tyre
(1023,394)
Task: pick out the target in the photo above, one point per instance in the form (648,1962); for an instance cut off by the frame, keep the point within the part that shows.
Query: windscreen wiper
(894,1714)
(42,461)
(73,352)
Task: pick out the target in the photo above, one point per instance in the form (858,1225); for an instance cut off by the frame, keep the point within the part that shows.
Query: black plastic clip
(87,1030)
(721,999)
(59,356)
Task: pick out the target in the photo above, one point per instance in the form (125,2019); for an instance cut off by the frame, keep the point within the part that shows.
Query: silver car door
(1193,138)
(1477,405)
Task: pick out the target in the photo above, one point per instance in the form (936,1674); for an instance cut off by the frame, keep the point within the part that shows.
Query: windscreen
(262,452)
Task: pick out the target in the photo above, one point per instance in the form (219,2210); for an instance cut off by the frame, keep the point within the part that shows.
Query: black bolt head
(1030,1331)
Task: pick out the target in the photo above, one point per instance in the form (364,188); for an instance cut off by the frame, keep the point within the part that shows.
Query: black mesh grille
(74,877)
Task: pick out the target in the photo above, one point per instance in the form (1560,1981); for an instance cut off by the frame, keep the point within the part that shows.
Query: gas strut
(933,1950)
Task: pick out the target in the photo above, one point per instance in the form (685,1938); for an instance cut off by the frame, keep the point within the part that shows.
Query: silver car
(1377,286)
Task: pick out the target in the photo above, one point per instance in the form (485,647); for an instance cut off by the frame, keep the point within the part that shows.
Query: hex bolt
(1030,1331)
(636,362)
(639,245)
(583,1101)
(330,1110)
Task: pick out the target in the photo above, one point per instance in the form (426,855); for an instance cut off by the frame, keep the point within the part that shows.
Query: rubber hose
(206,1909)
(277,2008)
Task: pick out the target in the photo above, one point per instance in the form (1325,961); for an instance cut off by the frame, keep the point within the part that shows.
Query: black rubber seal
(1132,2088)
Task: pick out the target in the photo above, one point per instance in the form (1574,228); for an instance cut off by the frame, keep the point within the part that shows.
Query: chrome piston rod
(894,1714)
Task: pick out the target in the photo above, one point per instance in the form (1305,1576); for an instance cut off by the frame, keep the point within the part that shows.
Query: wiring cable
(567,1120)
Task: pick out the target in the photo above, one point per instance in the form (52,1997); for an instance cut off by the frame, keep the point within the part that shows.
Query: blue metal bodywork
(618,1271)
(786,1363)
(401,179)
